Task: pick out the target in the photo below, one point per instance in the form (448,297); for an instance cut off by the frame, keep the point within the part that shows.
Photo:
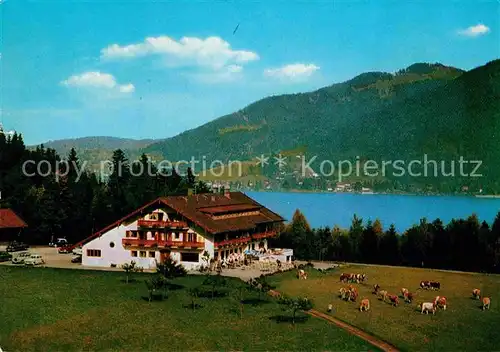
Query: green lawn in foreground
(462,327)
(44,309)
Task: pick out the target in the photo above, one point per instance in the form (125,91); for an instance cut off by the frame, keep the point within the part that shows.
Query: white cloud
(292,71)
(226,74)
(212,52)
(474,31)
(127,88)
(97,79)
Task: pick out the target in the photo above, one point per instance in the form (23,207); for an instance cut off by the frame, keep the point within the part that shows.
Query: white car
(35,259)
(20,257)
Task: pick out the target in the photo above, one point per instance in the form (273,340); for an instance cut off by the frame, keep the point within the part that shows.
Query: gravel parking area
(53,259)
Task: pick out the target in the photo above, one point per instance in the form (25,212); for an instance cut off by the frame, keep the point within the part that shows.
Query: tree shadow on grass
(255,301)
(288,319)
(155,298)
(174,287)
(216,294)
(190,306)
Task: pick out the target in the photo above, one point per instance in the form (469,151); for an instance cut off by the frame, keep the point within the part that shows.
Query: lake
(328,209)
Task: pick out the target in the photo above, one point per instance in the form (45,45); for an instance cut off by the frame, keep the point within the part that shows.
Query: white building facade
(183,228)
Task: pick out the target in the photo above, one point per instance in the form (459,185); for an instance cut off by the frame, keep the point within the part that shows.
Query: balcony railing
(161,224)
(246,239)
(135,242)
(266,234)
(240,240)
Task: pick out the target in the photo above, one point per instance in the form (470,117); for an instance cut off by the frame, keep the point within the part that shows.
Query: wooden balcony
(246,239)
(233,241)
(135,242)
(162,224)
(266,234)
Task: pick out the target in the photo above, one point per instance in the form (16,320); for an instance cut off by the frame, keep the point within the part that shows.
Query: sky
(153,69)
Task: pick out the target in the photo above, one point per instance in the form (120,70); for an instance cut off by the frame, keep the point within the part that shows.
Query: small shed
(11,225)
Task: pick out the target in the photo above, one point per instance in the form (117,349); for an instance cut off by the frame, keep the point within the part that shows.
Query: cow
(353,295)
(365,305)
(393,299)
(425,285)
(343,292)
(404,292)
(301,274)
(408,297)
(427,307)
(360,277)
(376,288)
(435,285)
(486,303)
(348,277)
(476,293)
(383,295)
(440,302)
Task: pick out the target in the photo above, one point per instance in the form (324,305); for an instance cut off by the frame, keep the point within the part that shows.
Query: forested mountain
(443,112)
(425,108)
(98,148)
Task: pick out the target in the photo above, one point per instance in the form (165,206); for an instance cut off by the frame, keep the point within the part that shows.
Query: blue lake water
(328,209)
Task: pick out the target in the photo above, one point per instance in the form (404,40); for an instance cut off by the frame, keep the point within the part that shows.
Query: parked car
(34,259)
(76,259)
(59,242)
(5,257)
(17,246)
(19,258)
(64,249)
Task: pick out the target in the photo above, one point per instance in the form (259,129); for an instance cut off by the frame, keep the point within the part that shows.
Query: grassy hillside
(82,310)
(462,327)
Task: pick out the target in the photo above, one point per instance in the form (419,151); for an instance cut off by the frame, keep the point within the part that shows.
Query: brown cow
(440,302)
(408,297)
(425,285)
(476,293)
(486,303)
(353,295)
(393,299)
(383,295)
(344,277)
(404,292)
(365,305)
(301,274)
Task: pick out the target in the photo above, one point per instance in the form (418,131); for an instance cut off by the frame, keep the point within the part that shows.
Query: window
(177,236)
(190,257)
(93,252)
(133,253)
(151,254)
(143,254)
(111,244)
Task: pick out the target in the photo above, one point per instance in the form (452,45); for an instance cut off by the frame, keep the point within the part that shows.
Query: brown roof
(229,208)
(199,209)
(9,220)
(194,208)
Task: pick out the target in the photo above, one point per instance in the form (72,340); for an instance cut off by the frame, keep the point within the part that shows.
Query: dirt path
(384,346)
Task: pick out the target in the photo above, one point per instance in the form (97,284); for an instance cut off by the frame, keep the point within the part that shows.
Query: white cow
(302,274)
(428,307)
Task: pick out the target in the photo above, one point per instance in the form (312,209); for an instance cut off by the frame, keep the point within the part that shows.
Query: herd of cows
(350,293)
